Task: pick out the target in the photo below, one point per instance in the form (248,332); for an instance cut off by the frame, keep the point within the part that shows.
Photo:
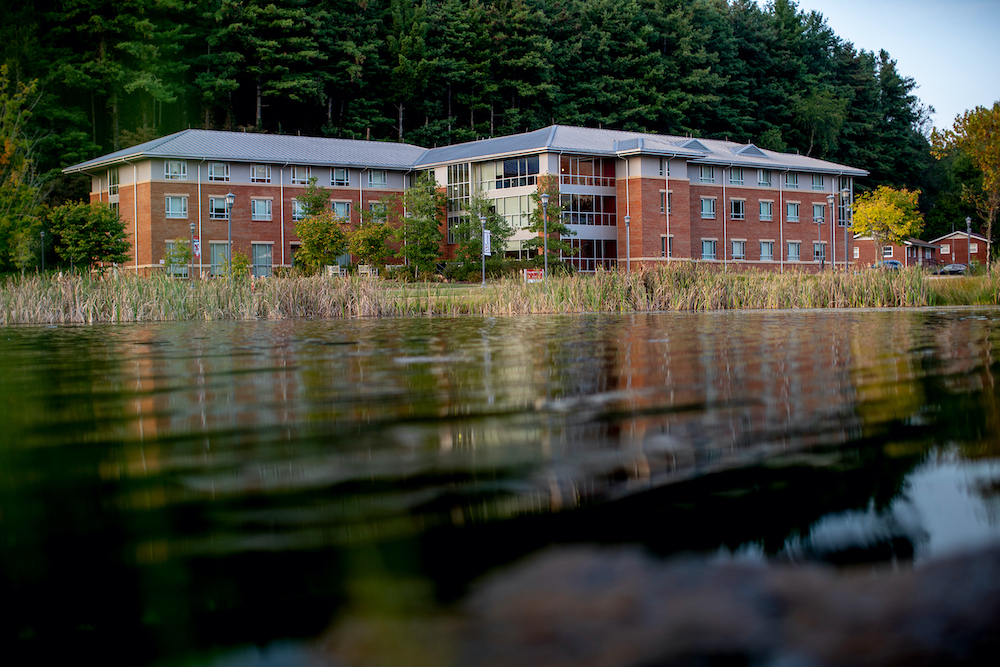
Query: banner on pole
(487,250)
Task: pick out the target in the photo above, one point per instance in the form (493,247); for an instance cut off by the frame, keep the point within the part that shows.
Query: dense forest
(113,73)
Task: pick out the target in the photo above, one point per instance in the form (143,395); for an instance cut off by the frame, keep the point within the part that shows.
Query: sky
(951,48)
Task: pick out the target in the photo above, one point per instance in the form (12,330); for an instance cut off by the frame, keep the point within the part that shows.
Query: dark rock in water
(590,607)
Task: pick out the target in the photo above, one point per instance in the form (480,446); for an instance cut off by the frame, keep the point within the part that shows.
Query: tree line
(107,74)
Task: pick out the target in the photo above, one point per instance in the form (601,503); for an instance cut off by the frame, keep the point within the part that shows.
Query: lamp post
(830,199)
(968,241)
(191,268)
(482,236)
(845,194)
(43,250)
(230,199)
(628,249)
(545,230)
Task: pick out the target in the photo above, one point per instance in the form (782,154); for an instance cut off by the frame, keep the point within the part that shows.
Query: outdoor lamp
(230,198)
(545,230)
(482,238)
(628,250)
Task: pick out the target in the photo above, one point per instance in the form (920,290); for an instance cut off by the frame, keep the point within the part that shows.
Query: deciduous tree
(888,216)
(19,187)
(551,221)
(420,232)
(323,240)
(87,234)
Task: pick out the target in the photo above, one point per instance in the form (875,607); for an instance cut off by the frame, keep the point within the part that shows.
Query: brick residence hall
(670,197)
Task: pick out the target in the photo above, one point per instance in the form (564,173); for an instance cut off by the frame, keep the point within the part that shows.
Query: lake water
(174,493)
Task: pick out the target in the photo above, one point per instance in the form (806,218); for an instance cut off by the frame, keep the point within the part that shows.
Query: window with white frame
(378,211)
(857,252)
(766,211)
(945,249)
(973,247)
(114,207)
(817,182)
(341,209)
(819,252)
(260,173)
(175,170)
(260,209)
(217,208)
(819,212)
(792,212)
(737,209)
(219,258)
(664,167)
(298,210)
(218,171)
(791,180)
(767,251)
(736,176)
(794,250)
(174,269)
(739,249)
(706,174)
(377,178)
(887,251)
(113,181)
(300,174)
(666,246)
(669,197)
(340,177)
(261,259)
(176,206)
(764,178)
(707,208)
(708,249)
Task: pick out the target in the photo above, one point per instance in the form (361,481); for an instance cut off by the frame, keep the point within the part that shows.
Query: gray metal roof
(283,149)
(271,148)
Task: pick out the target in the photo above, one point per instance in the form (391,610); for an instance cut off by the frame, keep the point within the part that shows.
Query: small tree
(554,223)
(323,240)
(977,134)
(888,216)
(89,233)
(178,256)
(470,245)
(420,232)
(314,200)
(370,241)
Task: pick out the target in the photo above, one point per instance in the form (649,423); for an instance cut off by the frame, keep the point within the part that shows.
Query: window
(218,171)
(260,209)
(845,184)
(341,178)
(174,269)
(817,182)
(341,209)
(792,180)
(177,207)
(707,174)
(707,208)
(819,252)
(946,249)
(261,259)
(708,249)
(113,181)
(767,251)
(219,258)
(298,210)
(378,211)
(669,196)
(577,209)
(217,208)
(764,178)
(666,246)
(114,207)
(739,249)
(737,209)
(736,176)
(664,167)
(260,173)
(887,251)
(523,171)
(377,178)
(792,211)
(301,175)
(857,252)
(973,247)
(794,248)
(766,211)
(819,212)
(175,170)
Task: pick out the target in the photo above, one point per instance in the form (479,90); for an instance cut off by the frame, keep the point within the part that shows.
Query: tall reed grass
(52,299)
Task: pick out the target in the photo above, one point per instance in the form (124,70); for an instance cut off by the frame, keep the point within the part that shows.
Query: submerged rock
(592,607)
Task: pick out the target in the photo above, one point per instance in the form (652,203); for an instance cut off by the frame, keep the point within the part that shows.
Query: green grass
(54,299)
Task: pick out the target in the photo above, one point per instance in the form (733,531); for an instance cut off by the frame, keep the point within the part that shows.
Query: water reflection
(196,485)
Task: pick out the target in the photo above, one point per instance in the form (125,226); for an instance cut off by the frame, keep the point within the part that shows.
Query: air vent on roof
(750,149)
(695,145)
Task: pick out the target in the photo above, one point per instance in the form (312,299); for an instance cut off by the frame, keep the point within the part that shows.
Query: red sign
(534,275)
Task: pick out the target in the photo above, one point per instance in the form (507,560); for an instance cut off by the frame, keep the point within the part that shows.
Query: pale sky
(951,48)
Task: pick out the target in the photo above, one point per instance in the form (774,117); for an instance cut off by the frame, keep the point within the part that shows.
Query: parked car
(889,265)
(951,270)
